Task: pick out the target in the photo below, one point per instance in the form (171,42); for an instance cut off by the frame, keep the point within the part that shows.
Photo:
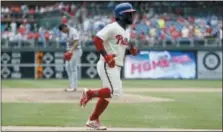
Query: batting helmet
(122,8)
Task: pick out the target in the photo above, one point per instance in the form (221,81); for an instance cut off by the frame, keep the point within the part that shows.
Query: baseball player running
(72,55)
(112,43)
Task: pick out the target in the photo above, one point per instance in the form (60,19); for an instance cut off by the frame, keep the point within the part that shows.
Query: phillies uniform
(112,43)
(115,40)
(72,64)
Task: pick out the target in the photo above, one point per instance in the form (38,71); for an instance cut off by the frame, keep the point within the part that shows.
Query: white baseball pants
(111,78)
(72,66)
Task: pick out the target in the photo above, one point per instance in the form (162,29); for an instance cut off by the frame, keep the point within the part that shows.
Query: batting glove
(133,50)
(109,59)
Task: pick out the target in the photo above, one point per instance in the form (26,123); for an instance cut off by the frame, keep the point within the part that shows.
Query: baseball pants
(110,78)
(72,68)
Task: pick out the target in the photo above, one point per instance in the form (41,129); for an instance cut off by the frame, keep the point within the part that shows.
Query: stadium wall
(151,63)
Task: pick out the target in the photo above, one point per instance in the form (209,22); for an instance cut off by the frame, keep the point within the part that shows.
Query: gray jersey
(71,36)
(72,65)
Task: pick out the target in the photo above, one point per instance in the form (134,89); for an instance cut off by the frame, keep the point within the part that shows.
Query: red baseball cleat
(85,98)
(95,125)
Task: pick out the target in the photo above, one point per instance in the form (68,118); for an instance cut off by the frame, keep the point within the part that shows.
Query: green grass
(126,83)
(190,110)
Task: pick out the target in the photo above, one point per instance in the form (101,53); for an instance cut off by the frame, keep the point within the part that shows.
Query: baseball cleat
(95,125)
(84,98)
(70,90)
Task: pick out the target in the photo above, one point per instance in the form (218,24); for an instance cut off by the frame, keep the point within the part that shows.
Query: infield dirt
(59,96)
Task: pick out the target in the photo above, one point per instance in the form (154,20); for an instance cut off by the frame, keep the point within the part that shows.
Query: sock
(101,93)
(101,105)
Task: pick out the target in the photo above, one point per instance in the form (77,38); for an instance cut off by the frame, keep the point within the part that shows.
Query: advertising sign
(11,65)
(161,64)
(209,65)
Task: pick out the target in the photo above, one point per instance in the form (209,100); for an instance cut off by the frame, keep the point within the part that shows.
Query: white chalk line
(36,128)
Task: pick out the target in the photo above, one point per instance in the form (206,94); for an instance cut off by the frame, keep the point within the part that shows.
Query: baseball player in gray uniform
(72,55)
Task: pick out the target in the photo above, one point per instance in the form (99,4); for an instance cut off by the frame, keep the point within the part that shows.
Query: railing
(191,44)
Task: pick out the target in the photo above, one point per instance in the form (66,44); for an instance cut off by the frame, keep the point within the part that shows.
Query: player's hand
(133,50)
(68,55)
(109,59)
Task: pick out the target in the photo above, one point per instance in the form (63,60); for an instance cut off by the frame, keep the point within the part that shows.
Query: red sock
(101,105)
(101,93)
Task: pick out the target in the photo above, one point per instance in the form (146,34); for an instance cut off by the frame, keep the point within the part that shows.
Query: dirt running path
(57,95)
(51,95)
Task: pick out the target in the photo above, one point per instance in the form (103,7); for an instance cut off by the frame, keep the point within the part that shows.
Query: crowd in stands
(150,24)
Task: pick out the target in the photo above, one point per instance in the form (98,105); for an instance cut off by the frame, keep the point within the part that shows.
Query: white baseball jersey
(115,41)
(71,36)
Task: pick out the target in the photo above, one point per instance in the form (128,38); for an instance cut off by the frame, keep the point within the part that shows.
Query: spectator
(47,35)
(161,23)
(220,33)
(197,32)
(27,26)
(31,11)
(153,32)
(163,34)
(61,6)
(64,20)
(208,31)
(142,27)
(133,34)
(180,20)
(98,24)
(36,9)
(175,35)
(82,12)
(154,25)
(6,34)
(172,28)
(142,36)
(152,35)
(214,20)
(67,8)
(73,9)
(86,25)
(185,32)
(13,27)
(42,39)
(191,20)
(215,31)
(2,27)
(21,30)
(7,10)
(42,10)
(2,10)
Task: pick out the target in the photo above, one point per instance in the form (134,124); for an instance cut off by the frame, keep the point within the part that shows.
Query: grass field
(200,108)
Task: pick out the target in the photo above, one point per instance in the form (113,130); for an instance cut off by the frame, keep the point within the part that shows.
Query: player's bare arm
(75,45)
